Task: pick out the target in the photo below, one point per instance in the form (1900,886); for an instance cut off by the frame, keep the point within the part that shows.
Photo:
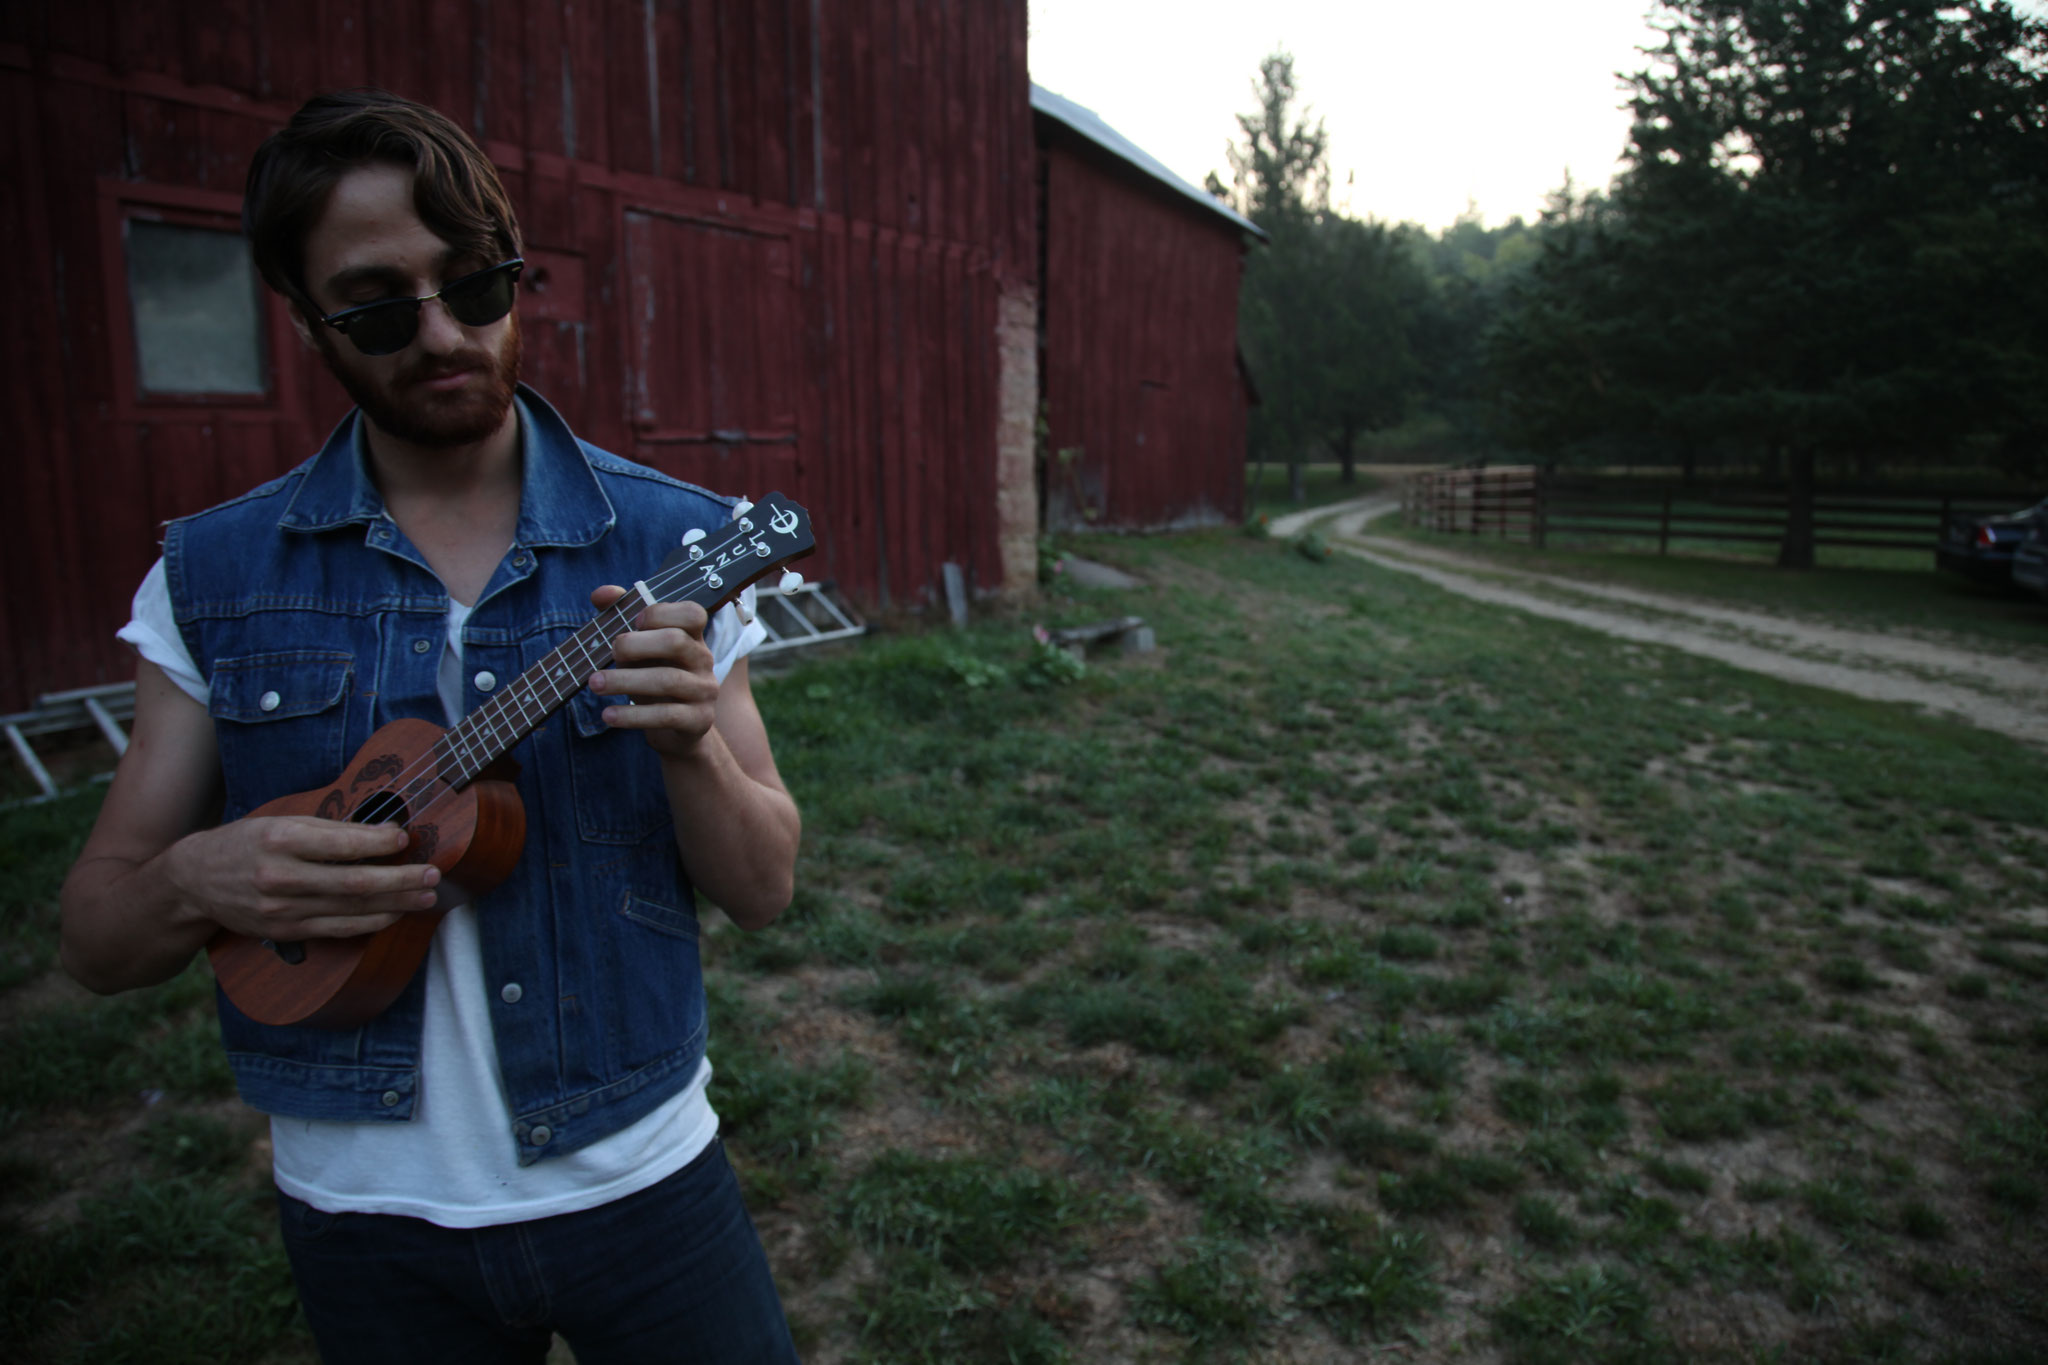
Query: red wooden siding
(766,240)
(1144,407)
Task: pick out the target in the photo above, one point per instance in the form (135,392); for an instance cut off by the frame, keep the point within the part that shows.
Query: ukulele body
(473,834)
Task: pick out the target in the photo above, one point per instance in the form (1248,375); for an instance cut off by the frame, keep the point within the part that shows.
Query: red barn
(773,244)
(1143,394)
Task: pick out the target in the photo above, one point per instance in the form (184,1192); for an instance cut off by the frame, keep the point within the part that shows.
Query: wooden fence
(1505,502)
(1534,506)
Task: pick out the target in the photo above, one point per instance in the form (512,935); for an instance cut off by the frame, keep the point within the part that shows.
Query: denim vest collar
(560,502)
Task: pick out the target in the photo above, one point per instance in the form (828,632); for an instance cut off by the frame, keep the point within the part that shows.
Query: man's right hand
(288,877)
(157,879)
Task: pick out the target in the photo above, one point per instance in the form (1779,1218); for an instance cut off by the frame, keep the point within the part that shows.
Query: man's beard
(402,409)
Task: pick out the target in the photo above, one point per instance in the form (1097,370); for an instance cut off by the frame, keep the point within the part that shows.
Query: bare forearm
(124,925)
(133,917)
(738,836)
(736,826)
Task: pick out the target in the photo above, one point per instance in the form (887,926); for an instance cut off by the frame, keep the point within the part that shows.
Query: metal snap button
(269,701)
(486,680)
(422,646)
(390,1099)
(540,1135)
(511,993)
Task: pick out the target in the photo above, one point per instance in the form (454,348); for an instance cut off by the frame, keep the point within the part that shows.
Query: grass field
(1362,969)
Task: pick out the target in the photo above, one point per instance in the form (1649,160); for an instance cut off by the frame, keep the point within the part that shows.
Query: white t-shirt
(455,1163)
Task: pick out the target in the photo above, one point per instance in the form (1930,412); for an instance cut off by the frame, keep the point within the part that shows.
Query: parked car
(2030,561)
(1981,546)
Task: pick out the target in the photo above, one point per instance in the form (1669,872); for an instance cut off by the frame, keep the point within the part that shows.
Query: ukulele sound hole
(291,954)
(383,808)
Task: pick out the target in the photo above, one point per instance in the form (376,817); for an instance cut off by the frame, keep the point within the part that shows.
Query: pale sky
(1428,105)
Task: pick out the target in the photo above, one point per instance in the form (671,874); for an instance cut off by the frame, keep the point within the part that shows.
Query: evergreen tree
(1469,270)
(1828,244)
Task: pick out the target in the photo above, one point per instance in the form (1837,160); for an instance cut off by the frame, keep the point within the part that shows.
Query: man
(520,1145)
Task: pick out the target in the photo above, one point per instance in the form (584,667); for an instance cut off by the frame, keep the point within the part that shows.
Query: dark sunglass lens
(481,299)
(386,328)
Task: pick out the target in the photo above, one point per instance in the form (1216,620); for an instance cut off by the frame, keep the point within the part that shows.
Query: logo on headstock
(783,522)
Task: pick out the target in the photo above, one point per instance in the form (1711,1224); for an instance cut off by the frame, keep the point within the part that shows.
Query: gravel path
(2002,692)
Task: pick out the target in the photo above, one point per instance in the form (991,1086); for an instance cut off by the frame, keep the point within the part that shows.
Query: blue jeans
(674,1273)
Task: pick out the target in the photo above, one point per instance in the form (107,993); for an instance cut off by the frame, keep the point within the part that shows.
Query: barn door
(713,384)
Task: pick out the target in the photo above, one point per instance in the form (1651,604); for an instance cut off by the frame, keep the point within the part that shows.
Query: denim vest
(316,622)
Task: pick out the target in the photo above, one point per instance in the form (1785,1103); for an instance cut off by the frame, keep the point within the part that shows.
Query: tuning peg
(691,537)
(741,508)
(791,581)
(745,607)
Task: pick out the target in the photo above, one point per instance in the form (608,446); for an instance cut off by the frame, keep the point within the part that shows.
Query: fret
(589,662)
(464,737)
(447,766)
(522,691)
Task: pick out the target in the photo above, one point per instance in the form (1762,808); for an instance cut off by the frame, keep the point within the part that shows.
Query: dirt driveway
(2006,692)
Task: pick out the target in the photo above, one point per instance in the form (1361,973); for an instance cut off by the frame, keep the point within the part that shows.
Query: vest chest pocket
(620,798)
(280,722)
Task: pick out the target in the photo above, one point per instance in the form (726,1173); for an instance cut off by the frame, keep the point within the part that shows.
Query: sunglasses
(390,325)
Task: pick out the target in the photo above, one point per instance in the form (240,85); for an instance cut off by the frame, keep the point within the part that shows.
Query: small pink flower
(1041,634)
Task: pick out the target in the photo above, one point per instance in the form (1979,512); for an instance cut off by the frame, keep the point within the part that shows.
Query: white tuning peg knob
(791,581)
(745,607)
(693,536)
(741,508)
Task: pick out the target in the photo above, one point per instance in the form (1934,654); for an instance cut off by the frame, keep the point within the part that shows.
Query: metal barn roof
(1090,125)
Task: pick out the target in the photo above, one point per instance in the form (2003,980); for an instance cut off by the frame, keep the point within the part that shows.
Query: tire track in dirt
(2001,693)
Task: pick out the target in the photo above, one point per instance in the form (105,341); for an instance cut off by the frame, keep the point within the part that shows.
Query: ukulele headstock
(711,568)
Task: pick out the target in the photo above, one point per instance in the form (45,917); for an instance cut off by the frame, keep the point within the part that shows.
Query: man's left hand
(664,665)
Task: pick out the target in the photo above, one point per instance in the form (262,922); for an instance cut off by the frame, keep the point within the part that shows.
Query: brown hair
(455,190)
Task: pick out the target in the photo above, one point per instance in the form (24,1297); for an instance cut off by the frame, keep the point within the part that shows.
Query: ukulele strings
(416,778)
(424,772)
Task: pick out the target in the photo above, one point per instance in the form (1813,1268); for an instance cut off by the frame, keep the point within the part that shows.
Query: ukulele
(438,784)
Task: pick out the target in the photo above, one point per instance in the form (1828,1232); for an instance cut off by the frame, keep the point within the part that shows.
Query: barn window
(198,316)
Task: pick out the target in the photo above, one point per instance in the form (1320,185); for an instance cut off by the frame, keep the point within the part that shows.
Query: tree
(1355,340)
(1327,301)
(1554,350)
(1280,171)
(1470,270)
(1280,180)
(1828,244)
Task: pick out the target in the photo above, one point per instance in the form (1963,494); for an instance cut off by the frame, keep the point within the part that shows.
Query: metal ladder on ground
(808,616)
(103,708)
